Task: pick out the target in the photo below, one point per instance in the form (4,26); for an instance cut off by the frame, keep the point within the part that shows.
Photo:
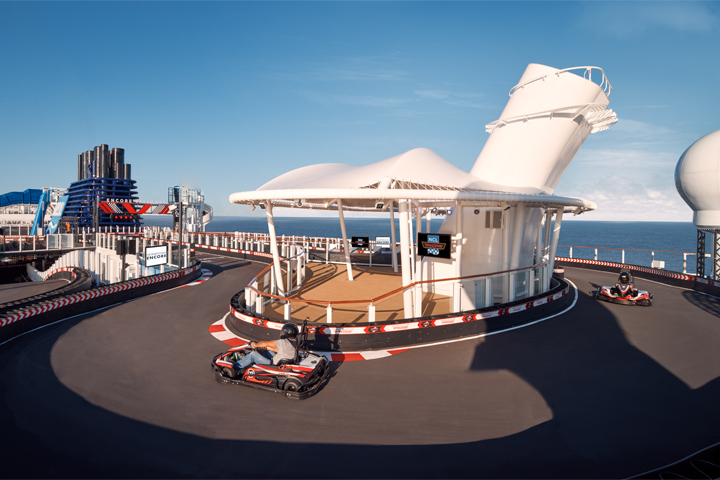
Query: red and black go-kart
(299,378)
(624,292)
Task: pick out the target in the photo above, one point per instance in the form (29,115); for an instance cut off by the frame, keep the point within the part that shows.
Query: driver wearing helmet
(624,285)
(273,351)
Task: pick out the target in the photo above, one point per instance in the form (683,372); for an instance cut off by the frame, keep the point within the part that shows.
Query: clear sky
(224,96)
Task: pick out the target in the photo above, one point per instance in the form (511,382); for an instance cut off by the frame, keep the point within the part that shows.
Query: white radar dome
(697,179)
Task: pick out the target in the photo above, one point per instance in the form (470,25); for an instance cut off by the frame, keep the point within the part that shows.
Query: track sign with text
(156,255)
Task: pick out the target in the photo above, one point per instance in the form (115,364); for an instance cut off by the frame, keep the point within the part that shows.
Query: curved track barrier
(22,320)
(79,280)
(691,282)
(405,332)
(393,333)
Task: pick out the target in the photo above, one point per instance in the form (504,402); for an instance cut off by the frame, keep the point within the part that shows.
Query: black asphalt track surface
(11,292)
(601,391)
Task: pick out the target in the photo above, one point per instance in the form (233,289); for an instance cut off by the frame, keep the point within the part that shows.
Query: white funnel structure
(697,179)
(548,117)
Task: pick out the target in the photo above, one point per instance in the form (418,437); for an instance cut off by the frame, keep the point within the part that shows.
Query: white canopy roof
(419,174)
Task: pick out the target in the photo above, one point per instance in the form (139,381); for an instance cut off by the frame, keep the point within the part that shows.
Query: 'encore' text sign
(156,255)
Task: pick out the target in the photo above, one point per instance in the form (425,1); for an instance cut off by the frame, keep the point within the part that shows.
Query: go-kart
(298,378)
(624,294)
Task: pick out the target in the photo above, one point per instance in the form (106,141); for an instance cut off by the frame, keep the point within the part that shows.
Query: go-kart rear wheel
(292,385)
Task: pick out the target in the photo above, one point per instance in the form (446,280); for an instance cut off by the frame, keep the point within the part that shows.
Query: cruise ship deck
(599,391)
(330,283)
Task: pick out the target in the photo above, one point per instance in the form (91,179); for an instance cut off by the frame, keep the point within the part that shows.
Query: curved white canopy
(419,174)
(419,166)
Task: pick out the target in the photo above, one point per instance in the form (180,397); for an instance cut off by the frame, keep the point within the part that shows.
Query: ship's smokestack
(548,117)
(101,158)
(89,164)
(118,162)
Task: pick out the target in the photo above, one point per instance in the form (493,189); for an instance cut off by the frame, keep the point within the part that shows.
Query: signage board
(54,223)
(383,242)
(361,242)
(157,255)
(434,245)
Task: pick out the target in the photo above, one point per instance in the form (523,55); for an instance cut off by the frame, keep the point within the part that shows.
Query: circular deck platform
(600,391)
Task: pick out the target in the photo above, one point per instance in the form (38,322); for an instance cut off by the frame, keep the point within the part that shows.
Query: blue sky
(224,96)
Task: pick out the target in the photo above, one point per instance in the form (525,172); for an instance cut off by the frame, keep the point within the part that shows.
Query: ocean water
(668,240)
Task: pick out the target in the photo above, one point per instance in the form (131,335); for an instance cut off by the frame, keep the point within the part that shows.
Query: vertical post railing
(700,270)
(716,254)
(489,300)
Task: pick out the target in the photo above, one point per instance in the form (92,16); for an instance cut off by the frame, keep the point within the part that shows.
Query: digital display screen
(434,245)
(361,242)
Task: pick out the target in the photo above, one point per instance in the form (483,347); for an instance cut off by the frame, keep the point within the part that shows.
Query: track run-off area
(600,391)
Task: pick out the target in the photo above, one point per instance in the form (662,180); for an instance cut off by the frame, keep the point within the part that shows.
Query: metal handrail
(579,110)
(604,83)
(256,279)
(385,295)
(627,249)
(623,250)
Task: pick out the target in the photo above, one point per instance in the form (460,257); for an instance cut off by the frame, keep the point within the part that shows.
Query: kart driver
(623,283)
(273,351)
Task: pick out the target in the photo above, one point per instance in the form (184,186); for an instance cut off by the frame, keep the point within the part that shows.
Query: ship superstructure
(103,176)
(32,212)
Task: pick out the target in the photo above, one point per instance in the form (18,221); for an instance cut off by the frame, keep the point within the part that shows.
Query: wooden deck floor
(330,283)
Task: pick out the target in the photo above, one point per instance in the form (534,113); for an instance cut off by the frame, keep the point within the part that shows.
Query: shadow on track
(708,303)
(609,400)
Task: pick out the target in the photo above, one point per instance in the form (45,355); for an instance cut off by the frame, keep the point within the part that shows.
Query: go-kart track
(600,391)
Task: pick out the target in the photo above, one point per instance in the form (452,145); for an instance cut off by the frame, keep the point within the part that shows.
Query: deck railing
(670,259)
(523,282)
(263,286)
(586,73)
(296,251)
